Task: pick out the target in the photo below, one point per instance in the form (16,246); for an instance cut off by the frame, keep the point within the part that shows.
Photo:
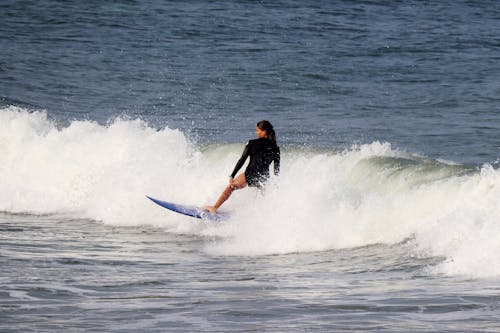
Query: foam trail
(97,172)
(322,200)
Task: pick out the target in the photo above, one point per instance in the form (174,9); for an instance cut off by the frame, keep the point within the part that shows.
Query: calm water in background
(422,76)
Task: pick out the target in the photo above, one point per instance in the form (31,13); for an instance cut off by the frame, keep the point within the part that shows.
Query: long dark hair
(265,125)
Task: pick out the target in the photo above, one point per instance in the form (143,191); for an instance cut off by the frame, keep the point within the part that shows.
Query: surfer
(262,151)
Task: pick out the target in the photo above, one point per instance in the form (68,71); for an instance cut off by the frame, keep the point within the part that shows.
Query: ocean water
(384,218)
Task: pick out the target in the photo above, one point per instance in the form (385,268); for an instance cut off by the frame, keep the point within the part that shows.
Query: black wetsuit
(262,152)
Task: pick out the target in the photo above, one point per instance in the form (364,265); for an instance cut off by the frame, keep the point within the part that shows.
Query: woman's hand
(238,182)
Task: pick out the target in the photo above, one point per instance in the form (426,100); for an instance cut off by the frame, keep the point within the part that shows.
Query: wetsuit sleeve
(241,160)
(277,162)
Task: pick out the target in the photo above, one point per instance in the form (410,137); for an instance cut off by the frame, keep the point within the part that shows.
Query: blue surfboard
(192,211)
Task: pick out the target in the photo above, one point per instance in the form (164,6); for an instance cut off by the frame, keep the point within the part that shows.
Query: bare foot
(210,209)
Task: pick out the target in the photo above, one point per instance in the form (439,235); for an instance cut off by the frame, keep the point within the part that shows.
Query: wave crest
(322,200)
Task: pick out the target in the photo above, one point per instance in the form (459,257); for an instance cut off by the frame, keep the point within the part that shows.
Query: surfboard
(187,210)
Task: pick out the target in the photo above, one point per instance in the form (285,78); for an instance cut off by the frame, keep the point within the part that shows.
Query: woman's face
(260,133)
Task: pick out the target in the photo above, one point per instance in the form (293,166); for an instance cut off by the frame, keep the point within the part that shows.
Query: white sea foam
(364,195)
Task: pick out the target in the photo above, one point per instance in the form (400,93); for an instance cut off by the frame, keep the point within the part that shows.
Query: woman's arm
(241,161)
(277,162)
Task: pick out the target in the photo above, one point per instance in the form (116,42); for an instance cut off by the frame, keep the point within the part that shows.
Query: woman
(262,151)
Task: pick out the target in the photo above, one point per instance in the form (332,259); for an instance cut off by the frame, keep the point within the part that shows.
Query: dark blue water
(421,75)
(384,217)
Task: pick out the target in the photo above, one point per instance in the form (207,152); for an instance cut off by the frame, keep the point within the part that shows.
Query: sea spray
(93,171)
(467,232)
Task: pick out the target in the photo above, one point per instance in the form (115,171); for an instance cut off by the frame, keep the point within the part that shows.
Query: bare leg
(234,184)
